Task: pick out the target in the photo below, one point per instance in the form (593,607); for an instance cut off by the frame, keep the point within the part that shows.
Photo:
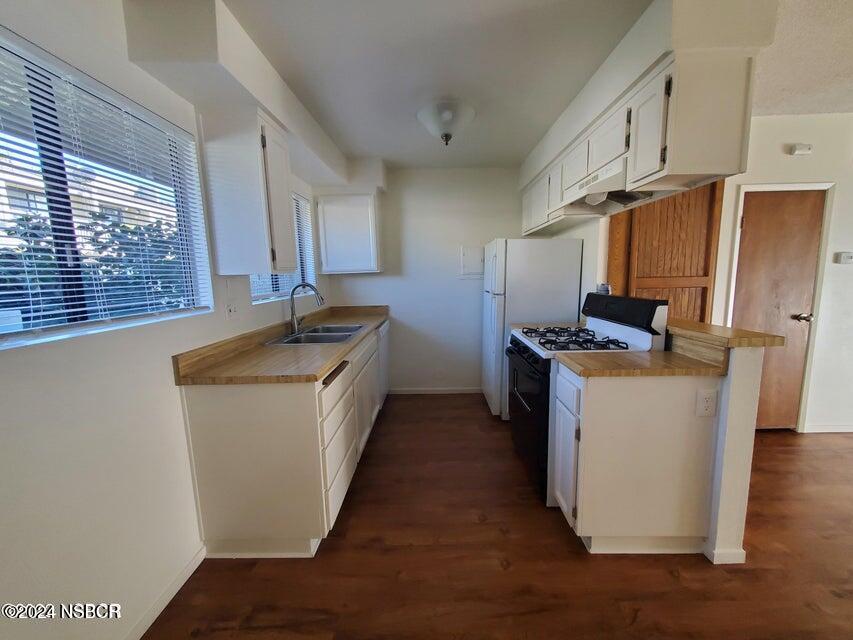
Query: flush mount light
(445,118)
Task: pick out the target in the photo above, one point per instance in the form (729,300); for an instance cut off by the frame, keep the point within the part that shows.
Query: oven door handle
(517,394)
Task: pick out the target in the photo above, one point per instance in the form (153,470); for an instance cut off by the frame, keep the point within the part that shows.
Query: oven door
(528,414)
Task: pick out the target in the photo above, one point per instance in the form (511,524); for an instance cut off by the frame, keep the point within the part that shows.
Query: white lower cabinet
(631,462)
(566,429)
(273,462)
(384,361)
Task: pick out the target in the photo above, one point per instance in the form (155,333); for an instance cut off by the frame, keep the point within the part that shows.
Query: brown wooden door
(668,249)
(777,266)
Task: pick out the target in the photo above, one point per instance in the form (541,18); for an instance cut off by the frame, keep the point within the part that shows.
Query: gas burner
(582,342)
(557,332)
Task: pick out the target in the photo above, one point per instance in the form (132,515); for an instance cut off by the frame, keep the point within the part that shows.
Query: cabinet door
(363,407)
(575,165)
(279,202)
(527,210)
(555,187)
(566,462)
(609,140)
(349,240)
(373,370)
(648,128)
(539,202)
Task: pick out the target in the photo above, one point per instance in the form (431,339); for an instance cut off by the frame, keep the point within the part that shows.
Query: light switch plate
(844,257)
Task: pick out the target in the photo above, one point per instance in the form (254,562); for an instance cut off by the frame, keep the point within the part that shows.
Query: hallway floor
(442,537)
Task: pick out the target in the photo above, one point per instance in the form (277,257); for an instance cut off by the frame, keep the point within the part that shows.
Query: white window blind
(100,206)
(278,285)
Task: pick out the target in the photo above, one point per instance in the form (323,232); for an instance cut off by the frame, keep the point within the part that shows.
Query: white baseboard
(726,556)
(165,597)
(828,428)
(434,390)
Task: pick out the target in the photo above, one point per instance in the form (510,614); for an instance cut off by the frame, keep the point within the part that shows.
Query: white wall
(829,401)
(426,216)
(96,492)
(594,265)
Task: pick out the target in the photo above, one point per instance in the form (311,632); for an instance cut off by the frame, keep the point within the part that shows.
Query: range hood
(605,189)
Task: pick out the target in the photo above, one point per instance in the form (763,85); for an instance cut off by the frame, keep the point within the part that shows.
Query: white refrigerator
(524,281)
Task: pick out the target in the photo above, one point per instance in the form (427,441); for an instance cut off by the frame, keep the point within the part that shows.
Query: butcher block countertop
(248,359)
(627,364)
(723,336)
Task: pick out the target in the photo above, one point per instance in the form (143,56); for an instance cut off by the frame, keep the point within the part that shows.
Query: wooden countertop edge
(687,367)
(198,377)
(723,336)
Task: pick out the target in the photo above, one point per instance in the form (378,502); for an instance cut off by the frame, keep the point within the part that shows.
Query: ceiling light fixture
(445,118)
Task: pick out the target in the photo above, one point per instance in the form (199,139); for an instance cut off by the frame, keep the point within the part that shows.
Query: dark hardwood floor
(442,537)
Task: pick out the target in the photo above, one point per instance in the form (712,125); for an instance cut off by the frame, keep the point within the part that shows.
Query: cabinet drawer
(337,448)
(362,353)
(338,491)
(336,416)
(334,386)
(568,394)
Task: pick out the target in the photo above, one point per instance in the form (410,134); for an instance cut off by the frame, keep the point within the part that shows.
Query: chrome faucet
(294,319)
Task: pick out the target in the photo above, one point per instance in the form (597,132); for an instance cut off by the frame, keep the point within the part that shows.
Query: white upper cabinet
(539,202)
(279,202)
(609,140)
(349,233)
(575,165)
(249,187)
(555,187)
(648,128)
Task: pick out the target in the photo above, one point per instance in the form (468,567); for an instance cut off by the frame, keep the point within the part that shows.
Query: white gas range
(613,323)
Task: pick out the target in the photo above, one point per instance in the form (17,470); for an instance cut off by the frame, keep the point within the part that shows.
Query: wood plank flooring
(441,536)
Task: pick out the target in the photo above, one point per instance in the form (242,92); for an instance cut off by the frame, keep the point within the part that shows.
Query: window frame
(59,210)
(276,277)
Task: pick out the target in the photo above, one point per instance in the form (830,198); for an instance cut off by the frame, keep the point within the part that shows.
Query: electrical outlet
(230,301)
(706,403)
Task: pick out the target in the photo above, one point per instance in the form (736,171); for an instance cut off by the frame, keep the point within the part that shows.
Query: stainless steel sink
(313,338)
(334,328)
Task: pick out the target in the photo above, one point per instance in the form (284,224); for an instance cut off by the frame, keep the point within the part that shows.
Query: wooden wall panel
(618,252)
(673,250)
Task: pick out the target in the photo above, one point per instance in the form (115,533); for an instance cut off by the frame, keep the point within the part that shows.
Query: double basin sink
(321,334)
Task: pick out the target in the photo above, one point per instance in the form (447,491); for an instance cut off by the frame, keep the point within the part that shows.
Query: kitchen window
(277,286)
(101,223)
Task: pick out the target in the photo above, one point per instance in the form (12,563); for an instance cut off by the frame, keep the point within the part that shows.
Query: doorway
(774,290)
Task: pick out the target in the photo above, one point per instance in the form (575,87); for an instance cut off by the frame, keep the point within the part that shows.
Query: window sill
(54,334)
(284,298)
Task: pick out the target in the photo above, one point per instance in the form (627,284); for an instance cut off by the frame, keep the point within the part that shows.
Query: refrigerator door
(494,266)
(543,280)
(493,351)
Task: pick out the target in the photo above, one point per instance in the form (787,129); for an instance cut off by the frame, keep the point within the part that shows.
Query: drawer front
(568,394)
(335,389)
(336,417)
(363,352)
(338,446)
(338,491)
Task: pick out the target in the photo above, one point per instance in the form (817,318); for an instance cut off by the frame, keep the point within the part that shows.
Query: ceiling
(363,68)
(809,66)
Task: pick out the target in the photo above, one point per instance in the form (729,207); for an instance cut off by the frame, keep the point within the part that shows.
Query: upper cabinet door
(539,202)
(349,234)
(649,108)
(555,186)
(279,202)
(527,210)
(609,140)
(575,165)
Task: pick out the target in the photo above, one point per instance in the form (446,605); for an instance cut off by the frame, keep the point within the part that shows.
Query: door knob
(803,317)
